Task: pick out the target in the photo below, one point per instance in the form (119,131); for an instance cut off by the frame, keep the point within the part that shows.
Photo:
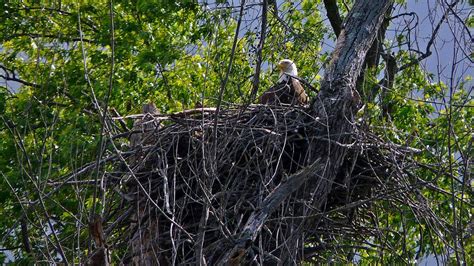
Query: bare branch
(263,32)
(428,52)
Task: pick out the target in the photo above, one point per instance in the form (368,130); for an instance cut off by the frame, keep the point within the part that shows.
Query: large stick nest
(193,181)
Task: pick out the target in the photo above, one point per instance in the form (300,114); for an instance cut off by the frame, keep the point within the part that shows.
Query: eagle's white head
(286,66)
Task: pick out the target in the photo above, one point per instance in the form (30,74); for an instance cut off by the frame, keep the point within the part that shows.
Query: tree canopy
(68,67)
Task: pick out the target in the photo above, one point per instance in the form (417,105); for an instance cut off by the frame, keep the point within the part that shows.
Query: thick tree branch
(373,56)
(333,15)
(391,69)
(25,236)
(428,51)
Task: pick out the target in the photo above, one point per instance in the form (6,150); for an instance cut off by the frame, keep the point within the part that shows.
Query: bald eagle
(288,89)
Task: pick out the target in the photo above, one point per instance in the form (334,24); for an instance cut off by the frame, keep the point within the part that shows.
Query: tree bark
(372,58)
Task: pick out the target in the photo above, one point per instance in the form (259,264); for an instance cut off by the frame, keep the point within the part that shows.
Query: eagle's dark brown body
(289,91)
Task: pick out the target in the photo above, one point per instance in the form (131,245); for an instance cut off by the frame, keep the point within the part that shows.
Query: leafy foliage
(62,67)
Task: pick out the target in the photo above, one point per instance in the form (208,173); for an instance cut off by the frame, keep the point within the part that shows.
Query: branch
(285,25)
(270,204)
(256,78)
(428,52)
(229,67)
(373,56)
(10,76)
(333,15)
(50,36)
(88,21)
(387,83)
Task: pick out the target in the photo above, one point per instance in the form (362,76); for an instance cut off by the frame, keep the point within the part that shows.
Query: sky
(450,46)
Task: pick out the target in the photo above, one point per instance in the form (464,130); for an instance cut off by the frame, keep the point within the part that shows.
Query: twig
(229,66)
(428,52)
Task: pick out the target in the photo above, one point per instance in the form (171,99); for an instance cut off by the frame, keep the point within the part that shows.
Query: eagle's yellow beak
(280,66)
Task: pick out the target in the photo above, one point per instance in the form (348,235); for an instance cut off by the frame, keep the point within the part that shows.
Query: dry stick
(106,103)
(122,217)
(142,188)
(96,104)
(285,25)
(450,164)
(55,235)
(263,32)
(103,114)
(229,67)
(40,200)
(305,82)
(200,243)
(63,38)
